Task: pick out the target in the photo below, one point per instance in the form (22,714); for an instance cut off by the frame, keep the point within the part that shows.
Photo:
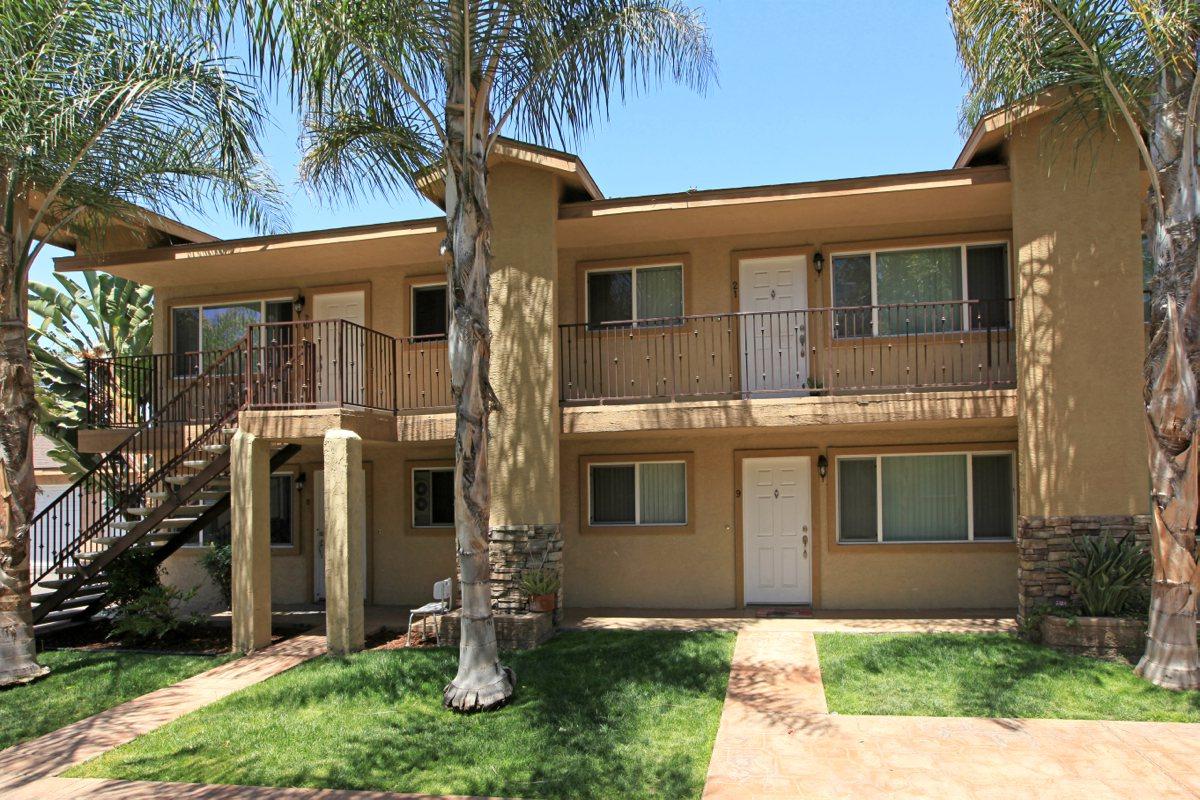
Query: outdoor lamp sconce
(819,265)
(301,479)
(822,466)
(298,306)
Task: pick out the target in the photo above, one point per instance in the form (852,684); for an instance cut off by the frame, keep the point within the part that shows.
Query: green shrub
(1111,576)
(144,608)
(130,575)
(218,563)
(539,581)
(153,615)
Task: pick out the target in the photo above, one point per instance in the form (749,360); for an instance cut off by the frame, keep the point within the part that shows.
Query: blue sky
(806,90)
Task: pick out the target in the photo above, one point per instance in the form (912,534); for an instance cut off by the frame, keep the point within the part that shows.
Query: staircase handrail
(154,437)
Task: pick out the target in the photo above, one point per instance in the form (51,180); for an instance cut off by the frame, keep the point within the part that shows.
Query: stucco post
(345,507)
(523,452)
(1080,346)
(250,512)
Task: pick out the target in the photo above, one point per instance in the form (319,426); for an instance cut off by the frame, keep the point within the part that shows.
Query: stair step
(215,448)
(145,543)
(126,524)
(157,495)
(197,463)
(63,612)
(180,480)
(76,601)
(152,535)
(43,628)
(57,583)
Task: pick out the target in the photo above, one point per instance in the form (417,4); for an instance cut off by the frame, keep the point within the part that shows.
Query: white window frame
(262,313)
(633,284)
(962,268)
(412,307)
(295,500)
(637,495)
(412,497)
(878,458)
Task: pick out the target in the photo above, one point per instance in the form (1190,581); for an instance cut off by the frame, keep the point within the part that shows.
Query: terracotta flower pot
(542,602)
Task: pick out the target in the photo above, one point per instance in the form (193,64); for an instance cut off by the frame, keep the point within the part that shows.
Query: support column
(523,450)
(250,511)
(345,510)
(1080,345)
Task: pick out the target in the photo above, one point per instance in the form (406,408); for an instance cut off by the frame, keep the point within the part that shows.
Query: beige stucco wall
(523,452)
(1076,228)
(697,569)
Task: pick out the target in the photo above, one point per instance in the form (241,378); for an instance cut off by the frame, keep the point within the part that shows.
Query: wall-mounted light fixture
(301,479)
(298,306)
(822,466)
(818,262)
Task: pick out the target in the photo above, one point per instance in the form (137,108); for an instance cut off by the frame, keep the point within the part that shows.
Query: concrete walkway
(83,740)
(777,739)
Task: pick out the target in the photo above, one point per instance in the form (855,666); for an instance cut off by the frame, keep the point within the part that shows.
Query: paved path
(98,789)
(83,740)
(997,621)
(778,740)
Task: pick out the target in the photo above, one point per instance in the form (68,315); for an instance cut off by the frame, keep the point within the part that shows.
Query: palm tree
(103,104)
(1132,65)
(392,89)
(103,317)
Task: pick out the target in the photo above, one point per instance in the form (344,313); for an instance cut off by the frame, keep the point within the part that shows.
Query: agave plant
(1111,576)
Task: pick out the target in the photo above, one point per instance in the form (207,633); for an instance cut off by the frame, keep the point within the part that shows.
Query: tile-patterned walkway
(83,740)
(778,740)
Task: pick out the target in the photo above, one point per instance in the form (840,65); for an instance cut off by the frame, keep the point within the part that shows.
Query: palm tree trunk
(482,681)
(17,487)
(1171,659)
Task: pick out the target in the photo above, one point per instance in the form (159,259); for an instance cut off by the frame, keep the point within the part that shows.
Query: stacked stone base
(522,631)
(1046,544)
(1113,638)
(515,550)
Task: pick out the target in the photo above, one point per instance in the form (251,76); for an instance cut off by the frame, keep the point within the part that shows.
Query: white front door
(319,537)
(773,291)
(777,540)
(346,386)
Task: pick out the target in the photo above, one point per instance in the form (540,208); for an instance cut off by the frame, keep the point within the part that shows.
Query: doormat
(790,612)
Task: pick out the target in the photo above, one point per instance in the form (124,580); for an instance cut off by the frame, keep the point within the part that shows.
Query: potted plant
(541,587)
(1111,579)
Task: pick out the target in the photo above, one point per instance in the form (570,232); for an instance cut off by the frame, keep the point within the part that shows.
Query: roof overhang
(982,194)
(577,182)
(994,127)
(134,224)
(411,241)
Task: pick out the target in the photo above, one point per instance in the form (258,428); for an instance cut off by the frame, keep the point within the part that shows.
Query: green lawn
(597,714)
(82,683)
(985,675)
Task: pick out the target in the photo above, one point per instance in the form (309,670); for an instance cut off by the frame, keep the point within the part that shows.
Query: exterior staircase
(163,484)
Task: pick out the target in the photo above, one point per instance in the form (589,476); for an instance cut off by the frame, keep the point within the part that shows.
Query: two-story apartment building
(888,392)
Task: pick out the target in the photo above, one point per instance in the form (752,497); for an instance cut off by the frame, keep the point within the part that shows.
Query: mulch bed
(389,639)
(204,640)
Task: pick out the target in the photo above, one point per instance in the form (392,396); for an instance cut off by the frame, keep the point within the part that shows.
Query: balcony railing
(817,351)
(305,364)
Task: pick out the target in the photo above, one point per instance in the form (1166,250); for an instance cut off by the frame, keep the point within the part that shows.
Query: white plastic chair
(443,603)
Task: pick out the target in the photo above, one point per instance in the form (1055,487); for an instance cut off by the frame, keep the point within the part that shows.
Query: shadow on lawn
(992,675)
(597,714)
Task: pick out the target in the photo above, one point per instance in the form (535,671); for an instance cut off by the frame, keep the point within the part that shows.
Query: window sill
(991,544)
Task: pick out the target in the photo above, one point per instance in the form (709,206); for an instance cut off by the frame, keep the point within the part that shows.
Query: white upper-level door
(345,382)
(773,294)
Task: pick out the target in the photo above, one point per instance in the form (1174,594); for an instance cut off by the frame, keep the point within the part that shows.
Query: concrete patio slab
(777,739)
